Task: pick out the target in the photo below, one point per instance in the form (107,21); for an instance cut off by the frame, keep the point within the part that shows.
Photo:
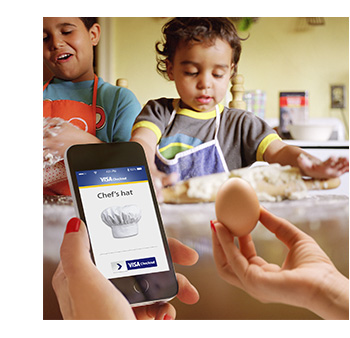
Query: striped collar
(196,114)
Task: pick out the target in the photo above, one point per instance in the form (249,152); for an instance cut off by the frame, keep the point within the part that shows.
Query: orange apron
(79,114)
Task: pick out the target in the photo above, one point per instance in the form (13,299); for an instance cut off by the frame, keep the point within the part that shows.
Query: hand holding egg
(237,206)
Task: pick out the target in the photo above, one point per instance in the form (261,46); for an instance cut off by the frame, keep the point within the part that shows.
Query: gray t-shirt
(243,137)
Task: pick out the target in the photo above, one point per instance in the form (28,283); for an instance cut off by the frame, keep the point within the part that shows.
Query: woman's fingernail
(212,226)
(167,317)
(73,225)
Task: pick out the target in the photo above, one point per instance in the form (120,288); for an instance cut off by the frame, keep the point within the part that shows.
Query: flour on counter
(271,183)
(274,182)
(206,188)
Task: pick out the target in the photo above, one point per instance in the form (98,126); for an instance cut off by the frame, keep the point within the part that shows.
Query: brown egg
(237,206)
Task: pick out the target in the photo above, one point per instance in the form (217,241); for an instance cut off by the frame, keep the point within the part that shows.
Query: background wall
(281,54)
(132,55)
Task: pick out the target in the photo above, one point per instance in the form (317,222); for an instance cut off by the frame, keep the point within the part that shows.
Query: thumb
(75,247)
(285,231)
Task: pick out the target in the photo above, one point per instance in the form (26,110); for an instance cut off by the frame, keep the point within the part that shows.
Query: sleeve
(127,108)
(155,116)
(256,135)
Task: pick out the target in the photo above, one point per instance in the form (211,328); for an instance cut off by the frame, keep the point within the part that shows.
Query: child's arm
(148,139)
(284,154)
(65,134)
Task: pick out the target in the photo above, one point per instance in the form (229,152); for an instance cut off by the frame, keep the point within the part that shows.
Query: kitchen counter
(324,217)
(323,151)
(331,144)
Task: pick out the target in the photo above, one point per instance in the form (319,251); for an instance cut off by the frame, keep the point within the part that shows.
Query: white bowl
(310,131)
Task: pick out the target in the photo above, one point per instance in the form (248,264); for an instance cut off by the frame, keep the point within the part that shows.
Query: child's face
(201,72)
(68,48)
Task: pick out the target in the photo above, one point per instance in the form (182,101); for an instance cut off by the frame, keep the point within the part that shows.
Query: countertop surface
(313,144)
(324,217)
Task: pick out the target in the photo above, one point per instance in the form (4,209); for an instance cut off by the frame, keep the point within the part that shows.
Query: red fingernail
(167,317)
(73,225)
(212,226)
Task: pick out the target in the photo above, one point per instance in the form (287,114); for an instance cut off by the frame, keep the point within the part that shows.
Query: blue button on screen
(142,263)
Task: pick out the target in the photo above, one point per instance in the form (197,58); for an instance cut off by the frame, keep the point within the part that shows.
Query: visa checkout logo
(108,179)
(142,263)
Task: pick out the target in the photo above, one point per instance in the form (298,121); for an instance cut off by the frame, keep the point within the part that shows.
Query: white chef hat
(122,219)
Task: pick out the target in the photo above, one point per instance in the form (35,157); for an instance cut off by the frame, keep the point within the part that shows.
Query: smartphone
(113,194)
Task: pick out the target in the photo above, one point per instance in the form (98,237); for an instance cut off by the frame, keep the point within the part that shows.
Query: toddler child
(79,107)
(196,135)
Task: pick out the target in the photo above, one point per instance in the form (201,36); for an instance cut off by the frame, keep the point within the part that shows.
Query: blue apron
(204,159)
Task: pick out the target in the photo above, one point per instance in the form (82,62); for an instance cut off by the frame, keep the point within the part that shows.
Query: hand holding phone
(113,194)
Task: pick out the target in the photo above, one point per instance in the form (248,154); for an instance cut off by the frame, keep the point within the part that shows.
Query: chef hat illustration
(122,219)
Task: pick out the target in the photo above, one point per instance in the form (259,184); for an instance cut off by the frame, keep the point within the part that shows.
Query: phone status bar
(111,176)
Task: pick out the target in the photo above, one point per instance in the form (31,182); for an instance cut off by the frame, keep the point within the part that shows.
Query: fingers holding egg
(237,206)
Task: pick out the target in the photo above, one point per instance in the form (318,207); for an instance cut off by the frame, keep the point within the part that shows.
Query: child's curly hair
(196,29)
(89,22)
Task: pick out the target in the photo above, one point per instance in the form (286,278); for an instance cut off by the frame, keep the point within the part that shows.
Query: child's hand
(333,167)
(161,180)
(60,135)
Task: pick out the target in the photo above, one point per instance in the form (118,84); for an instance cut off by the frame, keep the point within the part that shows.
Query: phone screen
(122,223)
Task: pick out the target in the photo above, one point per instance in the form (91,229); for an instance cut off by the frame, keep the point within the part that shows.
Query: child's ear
(169,69)
(232,70)
(95,32)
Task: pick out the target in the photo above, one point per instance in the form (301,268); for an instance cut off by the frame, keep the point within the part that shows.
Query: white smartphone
(113,194)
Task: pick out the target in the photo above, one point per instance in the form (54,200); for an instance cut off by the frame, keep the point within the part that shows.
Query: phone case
(113,194)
